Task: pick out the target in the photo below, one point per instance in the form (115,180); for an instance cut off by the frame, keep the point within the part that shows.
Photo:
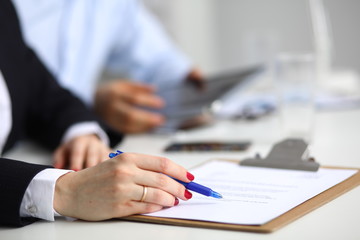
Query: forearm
(14,179)
(52,110)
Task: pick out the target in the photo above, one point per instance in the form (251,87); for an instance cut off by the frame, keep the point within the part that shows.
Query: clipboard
(276,223)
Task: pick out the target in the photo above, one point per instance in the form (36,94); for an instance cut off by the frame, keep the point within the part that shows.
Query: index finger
(147,100)
(142,98)
(77,154)
(142,95)
(146,120)
(162,165)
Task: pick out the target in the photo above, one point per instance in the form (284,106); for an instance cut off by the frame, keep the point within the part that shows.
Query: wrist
(64,195)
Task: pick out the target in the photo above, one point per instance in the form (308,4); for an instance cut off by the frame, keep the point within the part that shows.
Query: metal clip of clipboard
(287,154)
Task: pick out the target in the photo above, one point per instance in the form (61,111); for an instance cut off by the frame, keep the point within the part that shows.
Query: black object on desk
(184,101)
(208,146)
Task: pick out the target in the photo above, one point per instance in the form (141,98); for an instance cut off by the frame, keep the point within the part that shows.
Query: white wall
(220,34)
(191,24)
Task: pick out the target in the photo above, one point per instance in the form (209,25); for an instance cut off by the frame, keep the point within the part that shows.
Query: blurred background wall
(222,34)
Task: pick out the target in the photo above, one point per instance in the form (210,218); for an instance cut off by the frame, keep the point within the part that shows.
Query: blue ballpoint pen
(199,189)
(190,185)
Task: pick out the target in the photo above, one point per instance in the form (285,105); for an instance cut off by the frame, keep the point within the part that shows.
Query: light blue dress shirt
(78,39)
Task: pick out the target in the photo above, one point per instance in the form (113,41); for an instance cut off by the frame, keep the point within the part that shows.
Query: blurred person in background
(79,40)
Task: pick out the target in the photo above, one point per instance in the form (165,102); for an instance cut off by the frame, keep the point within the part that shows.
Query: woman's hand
(81,152)
(115,187)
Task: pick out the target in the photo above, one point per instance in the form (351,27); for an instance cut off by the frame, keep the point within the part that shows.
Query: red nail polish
(176,202)
(188,194)
(190,176)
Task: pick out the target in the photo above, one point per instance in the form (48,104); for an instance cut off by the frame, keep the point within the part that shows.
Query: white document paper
(251,195)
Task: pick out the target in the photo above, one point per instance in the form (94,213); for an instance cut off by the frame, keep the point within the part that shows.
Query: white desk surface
(335,142)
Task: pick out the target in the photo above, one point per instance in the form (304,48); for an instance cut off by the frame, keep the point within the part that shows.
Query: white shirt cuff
(84,128)
(39,195)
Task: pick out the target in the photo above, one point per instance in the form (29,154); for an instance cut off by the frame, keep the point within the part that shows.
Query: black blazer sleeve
(41,109)
(15,176)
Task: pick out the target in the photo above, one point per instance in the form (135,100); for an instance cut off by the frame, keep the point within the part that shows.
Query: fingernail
(176,202)
(188,194)
(75,170)
(190,176)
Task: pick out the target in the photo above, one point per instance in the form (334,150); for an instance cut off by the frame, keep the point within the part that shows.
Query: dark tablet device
(208,146)
(185,101)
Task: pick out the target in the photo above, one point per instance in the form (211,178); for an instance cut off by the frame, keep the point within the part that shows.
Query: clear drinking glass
(295,79)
